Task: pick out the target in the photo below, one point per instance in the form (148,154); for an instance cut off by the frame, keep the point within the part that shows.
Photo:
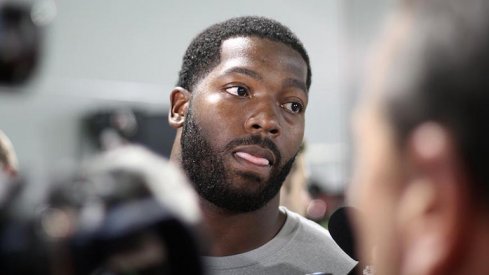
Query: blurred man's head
(239,111)
(422,139)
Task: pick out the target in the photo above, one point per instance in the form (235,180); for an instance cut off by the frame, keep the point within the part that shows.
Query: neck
(234,233)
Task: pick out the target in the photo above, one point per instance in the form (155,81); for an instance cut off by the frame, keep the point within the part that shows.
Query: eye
(293,107)
(238,91)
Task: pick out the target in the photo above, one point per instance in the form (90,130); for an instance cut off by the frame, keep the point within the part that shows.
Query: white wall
(127,52)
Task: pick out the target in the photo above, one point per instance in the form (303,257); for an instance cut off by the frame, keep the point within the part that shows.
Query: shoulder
(313,239)
(306,227)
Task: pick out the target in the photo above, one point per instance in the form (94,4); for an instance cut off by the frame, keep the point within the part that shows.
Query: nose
(264,120)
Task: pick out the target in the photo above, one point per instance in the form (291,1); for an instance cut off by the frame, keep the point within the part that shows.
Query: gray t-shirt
(300,247)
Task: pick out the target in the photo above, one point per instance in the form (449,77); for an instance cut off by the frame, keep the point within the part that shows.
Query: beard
(206,170)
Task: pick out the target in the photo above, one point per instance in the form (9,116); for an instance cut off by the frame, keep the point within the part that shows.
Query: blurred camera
(114,217)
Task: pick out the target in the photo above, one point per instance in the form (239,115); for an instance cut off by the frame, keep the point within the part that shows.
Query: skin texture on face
(244,123)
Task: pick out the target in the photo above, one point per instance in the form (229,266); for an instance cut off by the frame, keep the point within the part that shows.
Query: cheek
(212,99)
(375,193)
(292,137)
(217,118)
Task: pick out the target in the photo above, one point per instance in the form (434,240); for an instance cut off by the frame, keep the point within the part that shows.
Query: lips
(255,155)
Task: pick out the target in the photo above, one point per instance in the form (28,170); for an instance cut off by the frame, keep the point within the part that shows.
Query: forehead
(243,51)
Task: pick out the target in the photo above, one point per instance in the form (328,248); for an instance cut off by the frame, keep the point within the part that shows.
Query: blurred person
(294,194)
(422,135)
(8,159)
(239,110)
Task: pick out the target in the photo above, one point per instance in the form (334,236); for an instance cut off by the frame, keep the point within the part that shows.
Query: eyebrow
(247,72)
(292,82)
(289,82)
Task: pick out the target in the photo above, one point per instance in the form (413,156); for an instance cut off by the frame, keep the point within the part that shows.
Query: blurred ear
(433,208)
(179,100)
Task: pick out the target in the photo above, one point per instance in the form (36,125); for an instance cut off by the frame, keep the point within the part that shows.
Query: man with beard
(239,113)
(422,132)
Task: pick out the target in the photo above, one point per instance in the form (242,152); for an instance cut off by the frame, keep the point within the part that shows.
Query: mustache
(256,140)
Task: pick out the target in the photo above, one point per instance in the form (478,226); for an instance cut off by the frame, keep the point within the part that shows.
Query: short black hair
(441,74)
(204,52)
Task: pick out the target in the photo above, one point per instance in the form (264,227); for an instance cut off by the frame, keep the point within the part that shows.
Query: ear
(179,100)
(434,205)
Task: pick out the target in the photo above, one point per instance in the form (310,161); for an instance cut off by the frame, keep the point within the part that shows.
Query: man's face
(375,188)
(379,165)
(245,123)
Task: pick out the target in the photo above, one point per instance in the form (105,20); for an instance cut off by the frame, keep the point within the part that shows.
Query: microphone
(340,228)
(341,231)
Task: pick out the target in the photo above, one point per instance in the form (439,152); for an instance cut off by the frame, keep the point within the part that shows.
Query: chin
(247,187)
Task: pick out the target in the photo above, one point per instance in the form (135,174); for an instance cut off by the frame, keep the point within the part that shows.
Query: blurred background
(111,65)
